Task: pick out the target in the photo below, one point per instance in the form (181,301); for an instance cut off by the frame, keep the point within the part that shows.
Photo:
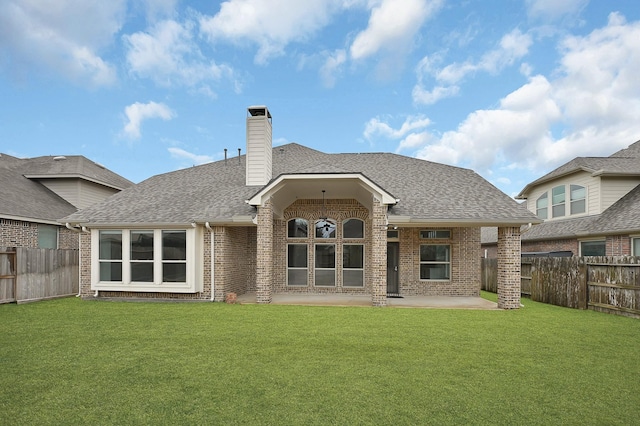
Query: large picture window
(297,271)
(435,262)
(146,260)
(353,265)
(325,265)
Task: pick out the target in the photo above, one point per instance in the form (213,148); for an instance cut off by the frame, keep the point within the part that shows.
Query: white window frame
(437,234)
(306,268)
(563,203)
(434,262)
(545,197)
(364,230)
(298,238)
(635,239)
(353,269)
(335,264)
(573,201)
(193,283)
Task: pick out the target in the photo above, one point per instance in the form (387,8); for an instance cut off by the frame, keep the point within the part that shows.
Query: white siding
(258,150)
(615,188)
(78,192)
(581,178)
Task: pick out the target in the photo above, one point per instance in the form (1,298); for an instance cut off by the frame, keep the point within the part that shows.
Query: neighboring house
(36,192)
(590,207)
(291,219)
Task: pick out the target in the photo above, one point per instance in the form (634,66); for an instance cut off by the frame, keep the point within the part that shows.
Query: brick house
(590,207)
(291,219)
(36,192)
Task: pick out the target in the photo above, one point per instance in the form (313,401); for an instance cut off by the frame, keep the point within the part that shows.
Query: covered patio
(432,302)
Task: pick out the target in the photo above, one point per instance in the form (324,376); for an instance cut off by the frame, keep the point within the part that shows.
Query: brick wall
(17,233)
(465,263)
(235,261)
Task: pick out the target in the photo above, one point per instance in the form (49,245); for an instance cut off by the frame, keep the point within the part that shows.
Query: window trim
(364,232)
(572,201)
(194,250)
(334,269)
(545,197)
(298,268)
(354,269)
(563,203)
(295,219)
(431,262)
(635,238)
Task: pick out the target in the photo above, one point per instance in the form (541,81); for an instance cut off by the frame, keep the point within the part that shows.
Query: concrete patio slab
(433,302)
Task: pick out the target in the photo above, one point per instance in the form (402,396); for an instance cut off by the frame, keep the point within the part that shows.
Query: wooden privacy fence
(606,284)
(28,274)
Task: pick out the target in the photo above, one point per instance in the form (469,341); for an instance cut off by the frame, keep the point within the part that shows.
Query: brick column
(85,264)
(509,267)
(379,254)
(264,257)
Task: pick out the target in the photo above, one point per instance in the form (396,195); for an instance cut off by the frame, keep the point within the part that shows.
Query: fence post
(583,278)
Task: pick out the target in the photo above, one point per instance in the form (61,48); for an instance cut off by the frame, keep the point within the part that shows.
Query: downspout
(213,247)
(526,229)
(79,231)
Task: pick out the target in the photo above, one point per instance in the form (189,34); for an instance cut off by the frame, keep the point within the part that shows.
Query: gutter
(213,268)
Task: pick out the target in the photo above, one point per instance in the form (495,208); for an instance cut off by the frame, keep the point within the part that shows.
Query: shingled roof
(216,192)
(22,196)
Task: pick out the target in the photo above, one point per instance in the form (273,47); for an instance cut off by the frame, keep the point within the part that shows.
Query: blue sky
(510,89)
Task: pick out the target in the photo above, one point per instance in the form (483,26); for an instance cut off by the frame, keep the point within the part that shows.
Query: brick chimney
(258,146)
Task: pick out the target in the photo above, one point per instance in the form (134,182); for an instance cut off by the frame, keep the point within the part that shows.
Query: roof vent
(59,158)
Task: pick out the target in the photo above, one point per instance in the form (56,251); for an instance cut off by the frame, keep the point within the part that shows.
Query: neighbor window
(542,206)
(557,201)
(325,228)
(48,236)
(437,234)
(325,265)
(435,262)
(297,228)
(110,255)
(353,265)
(297,271)
(353,228)
(578,199)
(593,248)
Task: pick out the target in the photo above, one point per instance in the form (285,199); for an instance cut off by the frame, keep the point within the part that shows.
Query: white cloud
(64,37)
(593,96)
(392,26)
(411,134)
(138,112)
(332,66)
(193,159)
(554,9)
(269,25)
(512,47)
(168,55)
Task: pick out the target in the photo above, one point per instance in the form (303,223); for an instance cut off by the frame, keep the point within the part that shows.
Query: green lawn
(69,361)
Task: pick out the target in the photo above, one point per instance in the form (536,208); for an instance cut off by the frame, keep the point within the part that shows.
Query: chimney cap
(259,110)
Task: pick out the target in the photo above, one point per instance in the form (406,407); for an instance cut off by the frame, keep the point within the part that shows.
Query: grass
(69,361)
